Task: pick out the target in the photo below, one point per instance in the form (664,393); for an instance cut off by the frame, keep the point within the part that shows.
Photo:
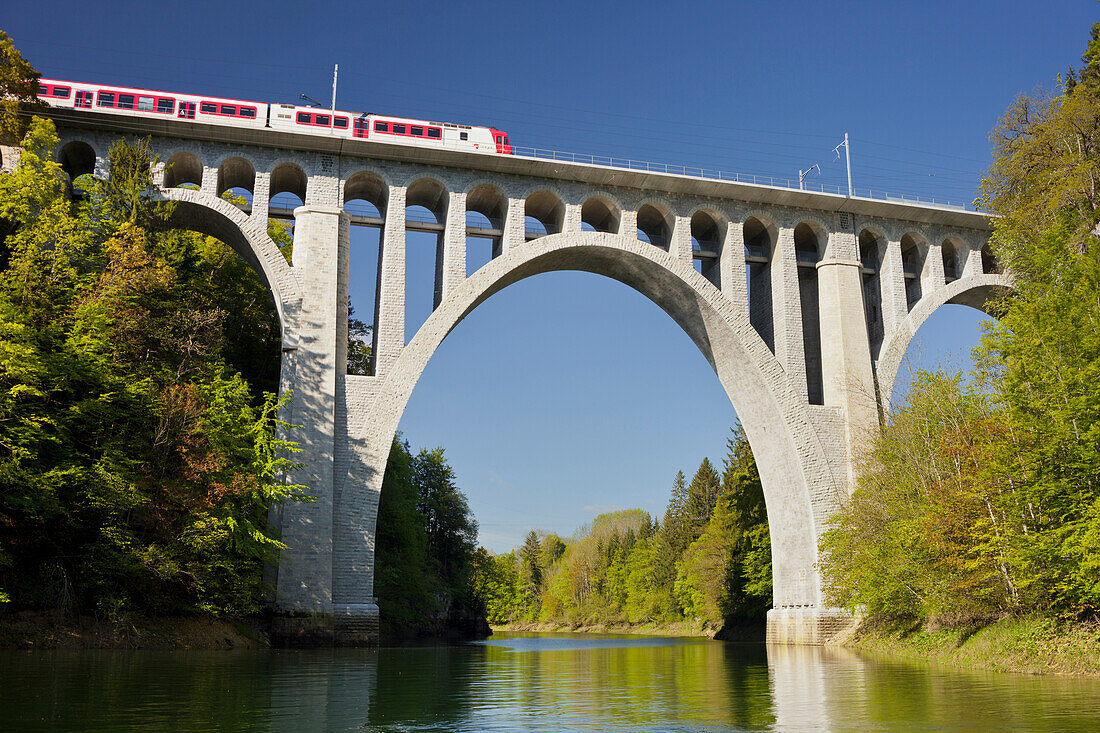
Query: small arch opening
(365,195)
(760,238)
(708,231)
(808,246)
(655,225)
(600,214)
(950,250)
(236,177)
(288,191)
(912,266)
(486,210)
(544,213)
(990,266)
(77,158)
(426,201)
(871,247)
(183,168)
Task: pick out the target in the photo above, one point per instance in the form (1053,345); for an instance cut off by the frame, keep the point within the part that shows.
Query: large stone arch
(800,492)
(211,215)
(978,291)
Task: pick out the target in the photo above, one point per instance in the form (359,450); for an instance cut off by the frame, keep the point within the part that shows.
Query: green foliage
(359,348)
(406,594)
(710,561)
(138,463)
(428,569)
(984,501)
(18,92)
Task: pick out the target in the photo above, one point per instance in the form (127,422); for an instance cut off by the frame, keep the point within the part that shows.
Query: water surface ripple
(530,682)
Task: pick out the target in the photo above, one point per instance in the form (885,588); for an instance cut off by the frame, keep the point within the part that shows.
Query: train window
(434,132)
(418,131)
(145,104)
(208,108)
(361,124)
(398,129)
(126,101)
(228,109)
(43,89)
(166,106)
(321,120)
(463,136)
(381,127)
(248,112)
(106,99)
(61,92)
(304,118)
(342,122)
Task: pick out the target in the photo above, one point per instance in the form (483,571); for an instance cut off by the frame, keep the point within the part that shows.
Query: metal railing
(720,175)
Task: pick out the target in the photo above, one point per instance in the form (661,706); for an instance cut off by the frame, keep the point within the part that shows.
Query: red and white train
(288,117)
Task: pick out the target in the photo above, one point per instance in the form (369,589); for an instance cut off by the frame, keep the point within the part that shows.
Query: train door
(187,110)
(362,127)
(83,99)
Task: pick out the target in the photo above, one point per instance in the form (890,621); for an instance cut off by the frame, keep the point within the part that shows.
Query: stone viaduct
(803,303)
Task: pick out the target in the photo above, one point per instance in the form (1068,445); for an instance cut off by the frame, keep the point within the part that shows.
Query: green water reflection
(539,682)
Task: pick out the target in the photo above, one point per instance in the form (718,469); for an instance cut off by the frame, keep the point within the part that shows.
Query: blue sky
(569,394)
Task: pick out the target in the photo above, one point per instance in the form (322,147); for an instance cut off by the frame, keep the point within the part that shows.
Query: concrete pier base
(349,625)
(807,625)
(308,630)
(356,624)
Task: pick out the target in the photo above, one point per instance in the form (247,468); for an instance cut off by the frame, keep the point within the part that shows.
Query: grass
(1027,644)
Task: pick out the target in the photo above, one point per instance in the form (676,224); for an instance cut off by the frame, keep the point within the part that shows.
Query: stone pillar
(210,180)
(732,268)
(680,246)
(628,225)
(515,234)
(572,219)
(972,265)
(389,309)
(303,594)
(787,312)
(261,197)
(845,350)
(895,309)
(933,276)
(9,158)
(451,267)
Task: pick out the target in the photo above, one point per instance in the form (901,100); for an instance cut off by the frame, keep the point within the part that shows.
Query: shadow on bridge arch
(977,291)
(799,488)
(213,216)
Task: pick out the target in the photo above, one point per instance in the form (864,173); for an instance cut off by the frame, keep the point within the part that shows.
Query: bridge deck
(592,174)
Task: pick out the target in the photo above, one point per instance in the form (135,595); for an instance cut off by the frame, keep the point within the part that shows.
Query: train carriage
(281,117)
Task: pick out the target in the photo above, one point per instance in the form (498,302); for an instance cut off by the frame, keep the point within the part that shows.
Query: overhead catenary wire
(751,156)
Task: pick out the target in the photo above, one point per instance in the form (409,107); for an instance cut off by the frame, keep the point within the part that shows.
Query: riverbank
(751,632)
(38,630)
(1028,645)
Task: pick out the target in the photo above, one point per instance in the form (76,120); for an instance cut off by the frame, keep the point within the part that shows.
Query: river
(530,682)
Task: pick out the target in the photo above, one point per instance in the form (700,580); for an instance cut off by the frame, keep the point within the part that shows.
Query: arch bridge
(803,303)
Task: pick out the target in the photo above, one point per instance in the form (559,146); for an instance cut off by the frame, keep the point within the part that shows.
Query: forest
(706,562)
(140,451)
(981,497)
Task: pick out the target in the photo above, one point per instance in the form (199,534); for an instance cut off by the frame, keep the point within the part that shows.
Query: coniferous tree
(532,571)
(702,496)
